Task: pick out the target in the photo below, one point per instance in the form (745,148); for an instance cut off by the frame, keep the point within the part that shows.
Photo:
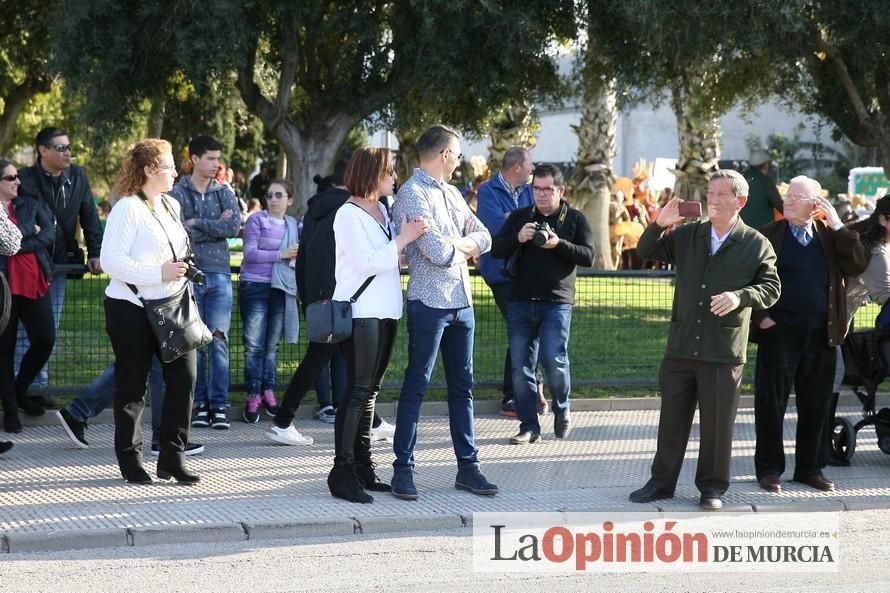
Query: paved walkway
(54,496)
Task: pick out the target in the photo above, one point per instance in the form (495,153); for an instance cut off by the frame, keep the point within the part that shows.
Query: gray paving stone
(431,522)
(48,486)
(299,528)
(179,534)
(17,542)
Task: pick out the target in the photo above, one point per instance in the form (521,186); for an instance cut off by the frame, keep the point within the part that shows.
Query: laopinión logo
(645,542)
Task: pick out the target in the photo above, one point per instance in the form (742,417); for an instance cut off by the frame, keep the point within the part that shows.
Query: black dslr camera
(193,273)
(542,234)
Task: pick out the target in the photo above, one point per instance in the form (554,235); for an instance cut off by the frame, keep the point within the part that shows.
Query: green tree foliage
(833,58)
(23,63)
(313,70)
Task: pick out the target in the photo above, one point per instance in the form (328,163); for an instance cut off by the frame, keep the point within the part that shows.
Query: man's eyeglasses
(460,157)
(60,147)
(277,195)
(9,177)
(547,191)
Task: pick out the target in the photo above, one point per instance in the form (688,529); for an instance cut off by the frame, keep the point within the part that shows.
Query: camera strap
(561,219)
(172,214)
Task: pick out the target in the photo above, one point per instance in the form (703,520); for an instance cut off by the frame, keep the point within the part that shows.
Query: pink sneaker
(252,408)
(269,402)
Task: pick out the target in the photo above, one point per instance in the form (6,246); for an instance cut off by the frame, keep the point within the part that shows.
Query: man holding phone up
(798,334)
(725,269)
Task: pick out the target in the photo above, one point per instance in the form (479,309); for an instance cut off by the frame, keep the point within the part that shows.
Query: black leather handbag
(176,323)
(329,321)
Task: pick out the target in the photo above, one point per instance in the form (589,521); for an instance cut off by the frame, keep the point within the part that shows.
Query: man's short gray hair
(739,184)
(814,186)
(515,155)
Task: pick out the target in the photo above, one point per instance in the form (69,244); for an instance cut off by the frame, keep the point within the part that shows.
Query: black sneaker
(73,428)
(219,420)
(201,419)
(190,449)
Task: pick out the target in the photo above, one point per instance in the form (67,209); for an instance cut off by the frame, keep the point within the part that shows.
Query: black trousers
(789,355)
(134,348)
(37,317)
(367,351)
(715,388)
(501,294)
(317,357)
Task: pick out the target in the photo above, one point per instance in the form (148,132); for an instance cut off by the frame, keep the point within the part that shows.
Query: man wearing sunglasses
(65,189)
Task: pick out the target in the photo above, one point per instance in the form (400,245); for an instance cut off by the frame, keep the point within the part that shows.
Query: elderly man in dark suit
(798,334)
(725,269)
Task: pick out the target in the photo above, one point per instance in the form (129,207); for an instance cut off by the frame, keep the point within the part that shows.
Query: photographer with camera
(545,245)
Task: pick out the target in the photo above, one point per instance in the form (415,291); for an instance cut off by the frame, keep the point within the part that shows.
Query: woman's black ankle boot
(343,483)
(368,477)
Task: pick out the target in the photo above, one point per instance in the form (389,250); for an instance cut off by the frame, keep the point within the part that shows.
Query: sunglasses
(59,147)
(277,195)
(460,157)
(10,177)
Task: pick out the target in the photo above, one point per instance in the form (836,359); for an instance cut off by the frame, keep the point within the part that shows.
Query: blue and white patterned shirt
(439,275)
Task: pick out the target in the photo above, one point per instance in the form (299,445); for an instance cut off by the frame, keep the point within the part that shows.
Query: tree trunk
(309,153)
(156,115)
(407,159)
(517,126)
(591,187)
(698,130)
(13,104)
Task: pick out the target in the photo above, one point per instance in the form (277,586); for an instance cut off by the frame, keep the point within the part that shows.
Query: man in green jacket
(763,196)
(725,269)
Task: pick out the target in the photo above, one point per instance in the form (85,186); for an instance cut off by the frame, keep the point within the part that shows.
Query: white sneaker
(287,436)
(384,432)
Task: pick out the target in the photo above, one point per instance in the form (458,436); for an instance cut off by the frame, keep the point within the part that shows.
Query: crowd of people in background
(786,265)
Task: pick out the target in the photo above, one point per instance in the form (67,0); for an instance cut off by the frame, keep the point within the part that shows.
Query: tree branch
(14,102)
(250,91)
(843,75)
(288,69)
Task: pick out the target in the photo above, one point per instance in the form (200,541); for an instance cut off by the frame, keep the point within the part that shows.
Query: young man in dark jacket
(65,190)
(542,294)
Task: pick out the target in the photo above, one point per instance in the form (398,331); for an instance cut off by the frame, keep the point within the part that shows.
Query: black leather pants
(367,356)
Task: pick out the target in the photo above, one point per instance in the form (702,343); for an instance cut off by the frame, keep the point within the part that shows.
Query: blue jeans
(428,329)
(262,318)
(57,298)
(215,305)
(538,332)
(100,394)
(330,387)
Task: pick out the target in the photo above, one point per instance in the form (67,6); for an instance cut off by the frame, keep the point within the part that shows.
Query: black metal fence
(619,330)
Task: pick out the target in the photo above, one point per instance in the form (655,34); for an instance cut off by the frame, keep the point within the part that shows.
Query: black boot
(368,477)
(343,483)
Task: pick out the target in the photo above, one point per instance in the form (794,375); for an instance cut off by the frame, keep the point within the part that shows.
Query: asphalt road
(415,562)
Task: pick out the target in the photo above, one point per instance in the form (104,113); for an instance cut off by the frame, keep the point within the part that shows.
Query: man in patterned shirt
(440,309)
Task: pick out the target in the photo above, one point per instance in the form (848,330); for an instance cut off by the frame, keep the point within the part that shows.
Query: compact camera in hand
(193,273)
(542,234)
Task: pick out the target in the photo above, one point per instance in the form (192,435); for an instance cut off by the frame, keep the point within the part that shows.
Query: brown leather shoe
(770,483)
(817,481)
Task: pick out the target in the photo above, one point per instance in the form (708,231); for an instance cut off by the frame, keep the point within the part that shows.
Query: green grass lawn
(619,331)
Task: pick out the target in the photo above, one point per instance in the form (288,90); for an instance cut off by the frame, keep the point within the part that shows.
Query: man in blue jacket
(497,198)
(209,212)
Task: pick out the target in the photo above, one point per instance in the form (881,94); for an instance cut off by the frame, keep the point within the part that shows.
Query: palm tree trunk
(591,187)
(517,126)
(698,129)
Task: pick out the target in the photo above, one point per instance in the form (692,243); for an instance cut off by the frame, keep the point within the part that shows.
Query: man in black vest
(798,334)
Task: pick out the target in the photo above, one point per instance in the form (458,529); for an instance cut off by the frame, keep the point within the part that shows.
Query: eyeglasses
(59,147)
(547,191)
(276,194)
(10,177)
(448,148)
(167,168)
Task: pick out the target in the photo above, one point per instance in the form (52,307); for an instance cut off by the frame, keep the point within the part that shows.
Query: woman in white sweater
(143,242)
(367,246)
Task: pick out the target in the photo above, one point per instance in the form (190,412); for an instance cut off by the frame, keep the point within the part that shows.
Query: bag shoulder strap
(361,289)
